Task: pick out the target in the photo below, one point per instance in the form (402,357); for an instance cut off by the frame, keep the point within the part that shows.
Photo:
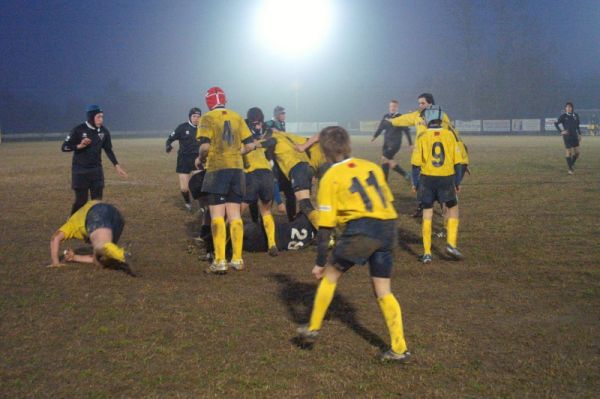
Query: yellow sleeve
(68,229)
(244,129)
(410,119)
(295,138)
(327,202)
(205,128)
(416,158)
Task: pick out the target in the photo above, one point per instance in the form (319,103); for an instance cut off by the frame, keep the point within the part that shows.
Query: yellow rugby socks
(269,225)
(322,301)
(219,237)
(393,318)
(236,230)
(452,231)
(427,236)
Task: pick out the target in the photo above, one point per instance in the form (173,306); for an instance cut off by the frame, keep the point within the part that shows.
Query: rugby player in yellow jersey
(316,159)
(354,193)
(101,225)
(222,133)
(259,176)
(437,172)
(295,167)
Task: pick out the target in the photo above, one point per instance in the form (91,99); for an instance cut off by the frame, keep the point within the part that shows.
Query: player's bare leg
(184,180)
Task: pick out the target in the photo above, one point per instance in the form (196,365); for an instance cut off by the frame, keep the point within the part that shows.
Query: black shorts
(391,146)
(186,163)
(87,179)
(571,141)
(259,186)
(228,185)
(301,177)
(195,185)
(436,188)
(366,240)
(105,216)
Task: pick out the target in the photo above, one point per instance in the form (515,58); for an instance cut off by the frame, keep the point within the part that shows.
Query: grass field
(520,317)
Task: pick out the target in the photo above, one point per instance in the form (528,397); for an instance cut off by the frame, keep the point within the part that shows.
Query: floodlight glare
(293,27)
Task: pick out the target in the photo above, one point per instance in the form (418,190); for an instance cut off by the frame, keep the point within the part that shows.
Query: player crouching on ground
(354,193)
(222,133)
(437,172)
(101,225)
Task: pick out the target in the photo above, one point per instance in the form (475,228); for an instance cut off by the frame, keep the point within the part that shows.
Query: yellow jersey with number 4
(353,189)
(226,131)
(436,152)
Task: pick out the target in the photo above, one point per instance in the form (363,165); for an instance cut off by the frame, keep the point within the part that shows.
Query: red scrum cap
(215,96)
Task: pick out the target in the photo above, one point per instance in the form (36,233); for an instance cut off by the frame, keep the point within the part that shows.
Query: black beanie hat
(194,111)
(92,111)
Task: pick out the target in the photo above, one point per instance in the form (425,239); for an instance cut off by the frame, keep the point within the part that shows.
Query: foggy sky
(146,63)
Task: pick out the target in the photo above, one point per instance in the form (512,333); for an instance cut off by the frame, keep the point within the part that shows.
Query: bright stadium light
(293,27)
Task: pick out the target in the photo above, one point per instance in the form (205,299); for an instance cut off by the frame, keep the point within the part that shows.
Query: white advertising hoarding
(369,126)
(549,124)
(468,126)
(525,125)
(323,125)
(310,127)
(496,125)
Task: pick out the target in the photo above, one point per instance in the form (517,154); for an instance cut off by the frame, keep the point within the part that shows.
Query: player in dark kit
(86,141)
(392,141)
(187,153)
(568,126)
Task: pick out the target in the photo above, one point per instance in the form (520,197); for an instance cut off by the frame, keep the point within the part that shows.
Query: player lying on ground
(293,235)
(295,170)
(187,153)
(86,141)
(568,126)
(259,177)
(101,225)
(437,173)
(392,141)
(354,193)
(222,133)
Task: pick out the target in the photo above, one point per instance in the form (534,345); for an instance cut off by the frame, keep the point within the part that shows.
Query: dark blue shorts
(260,185)
(105,216)
(367,240)
(391,145)
(225,185)
(301,177)
(436,188)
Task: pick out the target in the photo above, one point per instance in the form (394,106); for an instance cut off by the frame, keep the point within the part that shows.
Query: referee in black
(392,141)
(86,141)
(568,126)
(187,153)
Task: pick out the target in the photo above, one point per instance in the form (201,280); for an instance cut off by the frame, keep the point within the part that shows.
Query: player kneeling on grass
(222,133)
(101,225)
(437,172)
(354,193)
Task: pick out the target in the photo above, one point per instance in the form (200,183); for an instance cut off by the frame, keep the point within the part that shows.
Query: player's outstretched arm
(55,241)
(308,143)
(406,120)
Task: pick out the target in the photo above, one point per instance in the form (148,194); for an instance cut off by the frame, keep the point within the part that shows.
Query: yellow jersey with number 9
(226,131)
(353,189)
(436,152)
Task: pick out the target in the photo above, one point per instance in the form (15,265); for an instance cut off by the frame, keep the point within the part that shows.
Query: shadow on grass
(298,297)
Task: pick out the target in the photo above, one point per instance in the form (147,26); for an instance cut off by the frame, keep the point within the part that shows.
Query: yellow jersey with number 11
(354,189)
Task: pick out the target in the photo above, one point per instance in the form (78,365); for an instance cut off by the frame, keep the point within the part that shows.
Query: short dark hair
(569,103)
(428,97)
(335,141)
